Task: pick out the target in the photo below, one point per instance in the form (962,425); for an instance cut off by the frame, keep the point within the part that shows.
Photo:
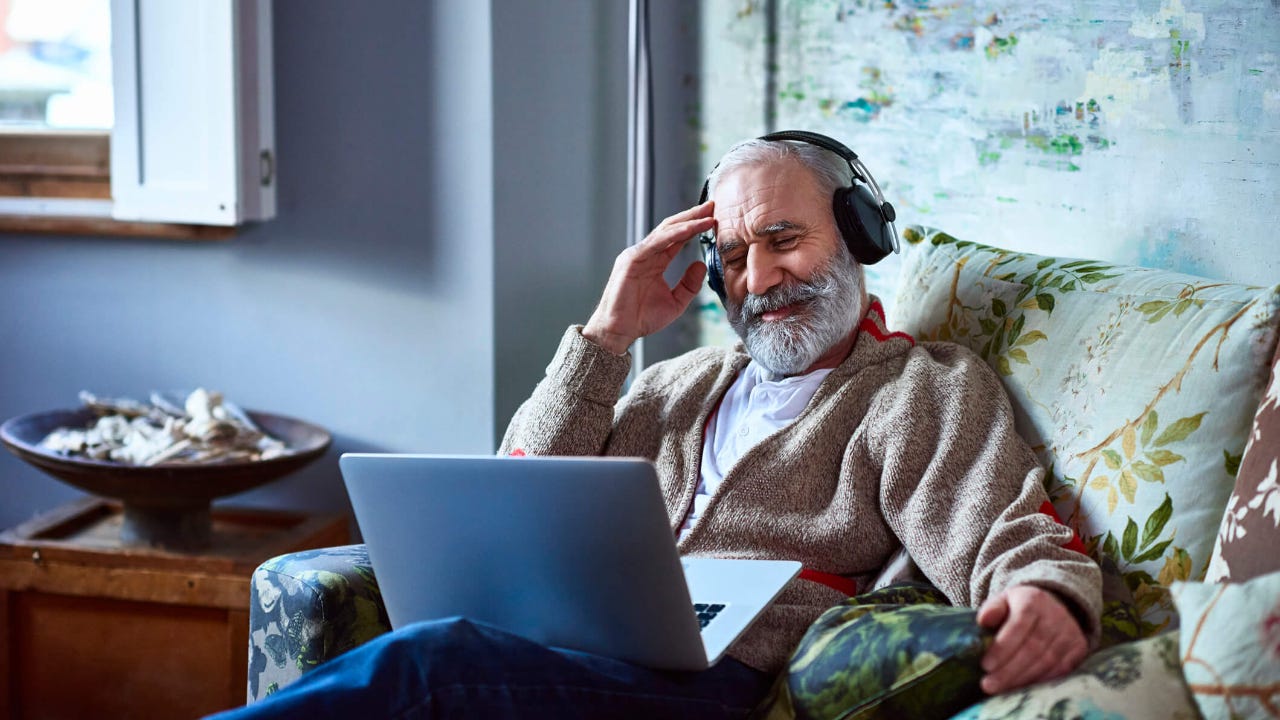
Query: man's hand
(1037,639)
(637,301)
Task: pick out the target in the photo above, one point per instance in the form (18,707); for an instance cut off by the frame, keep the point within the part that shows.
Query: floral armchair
(1147,395)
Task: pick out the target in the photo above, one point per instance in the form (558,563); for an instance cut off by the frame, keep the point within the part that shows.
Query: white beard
(828,311)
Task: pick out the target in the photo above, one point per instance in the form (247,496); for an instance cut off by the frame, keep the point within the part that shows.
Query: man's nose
(762,272)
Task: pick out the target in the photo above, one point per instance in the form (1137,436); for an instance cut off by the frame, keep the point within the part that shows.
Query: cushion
(1250,531)
(896,652)
(1134,385)
(1126,682)
(1230,646)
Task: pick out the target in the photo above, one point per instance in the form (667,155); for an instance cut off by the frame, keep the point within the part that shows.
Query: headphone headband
(813,138)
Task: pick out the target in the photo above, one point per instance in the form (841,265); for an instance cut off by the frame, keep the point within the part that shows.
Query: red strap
(518,452)
(1075,543)
(839,583)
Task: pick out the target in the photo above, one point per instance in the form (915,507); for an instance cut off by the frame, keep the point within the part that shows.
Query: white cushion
(1230,646)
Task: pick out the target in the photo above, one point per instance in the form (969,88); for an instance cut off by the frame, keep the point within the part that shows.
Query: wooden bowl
(164,505)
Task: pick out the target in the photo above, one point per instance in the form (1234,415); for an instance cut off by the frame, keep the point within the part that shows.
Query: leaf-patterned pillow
(897,652)
(1136,386)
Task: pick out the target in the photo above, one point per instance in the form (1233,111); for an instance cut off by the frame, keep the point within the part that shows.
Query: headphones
(863,216)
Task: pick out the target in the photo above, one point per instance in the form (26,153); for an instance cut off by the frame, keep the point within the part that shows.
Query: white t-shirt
(753,408)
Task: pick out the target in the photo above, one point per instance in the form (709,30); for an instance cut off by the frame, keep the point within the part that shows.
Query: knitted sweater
(904,444)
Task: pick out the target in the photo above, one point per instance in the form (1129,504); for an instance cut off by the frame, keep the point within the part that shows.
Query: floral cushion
(1137,387)
(1138,680)
(1230,646)
(1250,533)
(893,653)
(307,607)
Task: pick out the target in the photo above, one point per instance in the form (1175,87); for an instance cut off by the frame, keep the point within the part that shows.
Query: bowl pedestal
(185,527)
(165,506)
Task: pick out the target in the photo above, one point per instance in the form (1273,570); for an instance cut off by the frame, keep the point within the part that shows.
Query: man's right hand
(637,301)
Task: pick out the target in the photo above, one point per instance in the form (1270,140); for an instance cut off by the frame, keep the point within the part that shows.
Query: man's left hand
(1037,639)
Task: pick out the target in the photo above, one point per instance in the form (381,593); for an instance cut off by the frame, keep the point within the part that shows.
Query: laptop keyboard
(706,612)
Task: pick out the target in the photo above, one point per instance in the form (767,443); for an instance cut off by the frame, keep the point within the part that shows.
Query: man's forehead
(766,199)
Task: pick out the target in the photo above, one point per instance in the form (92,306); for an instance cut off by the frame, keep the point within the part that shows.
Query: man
(830,440)
(867,440)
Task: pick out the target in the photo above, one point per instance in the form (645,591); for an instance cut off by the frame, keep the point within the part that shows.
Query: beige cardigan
(904,443)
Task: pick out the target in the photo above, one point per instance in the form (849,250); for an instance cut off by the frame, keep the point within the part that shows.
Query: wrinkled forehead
(752,197)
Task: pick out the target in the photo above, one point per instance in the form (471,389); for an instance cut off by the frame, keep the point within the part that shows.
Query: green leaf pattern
(1122,490)
(994,327)
(307,607)
(895,653)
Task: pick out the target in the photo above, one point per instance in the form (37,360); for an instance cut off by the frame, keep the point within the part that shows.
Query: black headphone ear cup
(715,276)
(861,224)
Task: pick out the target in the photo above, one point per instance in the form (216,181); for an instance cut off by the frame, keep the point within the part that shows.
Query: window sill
(51,225)
(71,170)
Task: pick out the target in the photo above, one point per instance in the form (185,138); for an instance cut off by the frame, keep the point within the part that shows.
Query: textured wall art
(1143,133)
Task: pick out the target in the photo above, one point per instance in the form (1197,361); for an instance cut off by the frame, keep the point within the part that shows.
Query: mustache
(799,292)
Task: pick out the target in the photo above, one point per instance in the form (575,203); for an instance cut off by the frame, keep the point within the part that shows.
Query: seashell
(113,406)
(204,430)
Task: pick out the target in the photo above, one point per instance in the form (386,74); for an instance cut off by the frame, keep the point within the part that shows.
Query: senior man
(826,438)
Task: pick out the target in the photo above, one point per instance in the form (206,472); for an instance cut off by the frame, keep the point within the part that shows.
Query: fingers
(1022,659)
(1068,660)
(1011,639)
(993,611)
(1041,657)
(1037,640)
(636,300)
(669,238)
(681,227)
(697,211)
(685,290)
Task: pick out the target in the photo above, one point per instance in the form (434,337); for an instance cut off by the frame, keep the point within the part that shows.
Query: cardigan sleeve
(963,491)
(571,409)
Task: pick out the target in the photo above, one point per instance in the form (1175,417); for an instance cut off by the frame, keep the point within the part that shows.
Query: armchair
(1144,391)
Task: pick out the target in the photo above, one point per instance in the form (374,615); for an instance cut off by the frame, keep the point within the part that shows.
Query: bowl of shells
(165,460)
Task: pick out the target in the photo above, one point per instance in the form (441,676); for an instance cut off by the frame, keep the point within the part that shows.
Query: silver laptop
(571,553)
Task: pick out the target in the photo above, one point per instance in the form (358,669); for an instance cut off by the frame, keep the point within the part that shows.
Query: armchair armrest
(307,607)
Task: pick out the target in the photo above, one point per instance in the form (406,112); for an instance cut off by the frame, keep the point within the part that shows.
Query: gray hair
(830,170)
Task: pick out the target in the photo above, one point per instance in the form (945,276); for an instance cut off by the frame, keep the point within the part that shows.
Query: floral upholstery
(1137,388)
(307,607)
(1135,681)
(1250,531)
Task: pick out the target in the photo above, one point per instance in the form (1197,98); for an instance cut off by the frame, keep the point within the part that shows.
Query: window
(176,129)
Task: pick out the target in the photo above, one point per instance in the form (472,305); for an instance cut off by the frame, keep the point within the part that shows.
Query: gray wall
(560,162)
(449,172)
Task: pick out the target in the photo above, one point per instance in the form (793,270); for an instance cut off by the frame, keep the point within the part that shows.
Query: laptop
(572,553)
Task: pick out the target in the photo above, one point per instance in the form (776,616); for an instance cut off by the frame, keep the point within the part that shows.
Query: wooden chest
(89,628)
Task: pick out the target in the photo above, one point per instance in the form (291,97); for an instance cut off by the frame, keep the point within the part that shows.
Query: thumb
(993,611)
(689,284)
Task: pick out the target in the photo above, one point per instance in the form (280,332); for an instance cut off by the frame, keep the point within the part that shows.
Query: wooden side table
(91,628)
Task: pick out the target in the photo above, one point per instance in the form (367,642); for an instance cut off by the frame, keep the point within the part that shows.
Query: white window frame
(193,140)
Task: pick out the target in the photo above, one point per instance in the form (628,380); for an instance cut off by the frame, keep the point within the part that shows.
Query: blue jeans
(455,668)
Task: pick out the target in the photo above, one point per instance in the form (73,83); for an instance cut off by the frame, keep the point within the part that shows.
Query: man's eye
(786,242)
(734,261)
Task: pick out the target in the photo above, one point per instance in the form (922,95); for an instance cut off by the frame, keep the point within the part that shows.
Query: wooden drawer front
(78,657)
